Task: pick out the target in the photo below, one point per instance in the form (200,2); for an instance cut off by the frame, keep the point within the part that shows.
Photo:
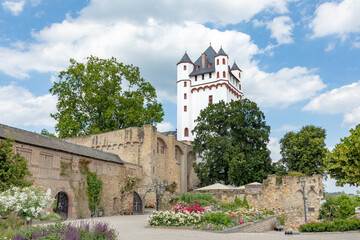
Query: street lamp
(159,187)
(303,182)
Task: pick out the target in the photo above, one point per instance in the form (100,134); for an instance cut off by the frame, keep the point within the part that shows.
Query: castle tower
(208,80)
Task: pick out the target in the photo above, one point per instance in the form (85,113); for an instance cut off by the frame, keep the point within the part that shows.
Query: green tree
(231,138)
(45,132)
(304,151)
(13,167)
(103,95)
(343,163)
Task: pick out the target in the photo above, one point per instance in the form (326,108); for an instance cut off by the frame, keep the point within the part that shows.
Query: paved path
(134,227)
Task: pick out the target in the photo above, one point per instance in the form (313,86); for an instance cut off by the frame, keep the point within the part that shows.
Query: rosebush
(171,218)
(185,207)
(29,203)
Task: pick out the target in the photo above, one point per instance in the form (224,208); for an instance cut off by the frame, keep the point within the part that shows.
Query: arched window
(197,67)
(210,99)
(184,67)
(240,87)
(224,74)
(185,96)
(209,64)
(239,75)
(217,62)
(184,84)
(185,108)
(217,74)
(209,75)
(186,132)
(223,61)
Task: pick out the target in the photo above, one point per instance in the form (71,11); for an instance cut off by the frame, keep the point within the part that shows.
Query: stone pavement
(134,227)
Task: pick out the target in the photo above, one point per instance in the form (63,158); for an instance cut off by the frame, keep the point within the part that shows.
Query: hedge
(340,225)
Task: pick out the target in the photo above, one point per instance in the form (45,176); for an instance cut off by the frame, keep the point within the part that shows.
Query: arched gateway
(62,207)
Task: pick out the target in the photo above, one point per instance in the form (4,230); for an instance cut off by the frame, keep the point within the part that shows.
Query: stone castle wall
(284,196)
(160,156)
(45,166)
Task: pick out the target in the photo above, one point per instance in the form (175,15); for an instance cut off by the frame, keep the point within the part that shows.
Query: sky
(300,59)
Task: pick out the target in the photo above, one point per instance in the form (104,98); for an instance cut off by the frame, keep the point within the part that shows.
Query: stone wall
(160,156)
(45,166)
(284,196)
(262,225)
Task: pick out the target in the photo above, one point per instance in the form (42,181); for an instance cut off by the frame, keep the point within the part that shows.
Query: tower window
(210,99)
(209,64)
(197,67)
(239,75)
(223,61)
(209,75)
(185,108)
(195,78)
(184,67)
(224,74)
(240,87)
(217,62)
(217,74)
(186,132)
(184,84)
(202,77)
(185,96)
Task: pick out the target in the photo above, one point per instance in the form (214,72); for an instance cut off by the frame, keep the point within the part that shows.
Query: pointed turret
(221,52)
(235,67)
(185,59)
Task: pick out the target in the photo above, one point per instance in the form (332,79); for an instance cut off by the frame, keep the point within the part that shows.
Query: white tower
(204,82)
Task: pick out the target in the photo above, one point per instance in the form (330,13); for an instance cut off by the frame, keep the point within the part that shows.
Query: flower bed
(171,218)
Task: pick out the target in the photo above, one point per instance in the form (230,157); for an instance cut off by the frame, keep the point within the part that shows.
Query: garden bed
(262,225)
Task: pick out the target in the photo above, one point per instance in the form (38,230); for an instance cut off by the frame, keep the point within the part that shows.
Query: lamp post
(303,182)
(159,187)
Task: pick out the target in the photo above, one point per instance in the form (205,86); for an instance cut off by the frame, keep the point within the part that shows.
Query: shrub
(342,207)
(93,191)
(170,218)
(185,207)
(204,199)
(29,203)
(340,225)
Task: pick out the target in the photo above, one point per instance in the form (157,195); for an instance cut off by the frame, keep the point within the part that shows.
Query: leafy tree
(305,150)
(45,132)
(231,139)
(103,95)
(343,163)
(13,167)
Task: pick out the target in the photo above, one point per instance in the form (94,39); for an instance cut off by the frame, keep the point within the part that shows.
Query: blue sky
(300,59)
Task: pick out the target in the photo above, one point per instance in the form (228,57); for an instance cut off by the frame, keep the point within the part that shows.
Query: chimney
(203,60)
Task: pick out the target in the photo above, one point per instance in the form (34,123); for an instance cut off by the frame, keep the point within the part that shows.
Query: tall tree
(343,163)
(103,95)
(13,167)
(231,139)
(305,150)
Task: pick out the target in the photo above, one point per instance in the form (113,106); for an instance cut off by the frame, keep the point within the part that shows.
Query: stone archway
(62,207)
(137,204)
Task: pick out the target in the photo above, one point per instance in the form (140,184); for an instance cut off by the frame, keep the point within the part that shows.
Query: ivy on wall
(93,192)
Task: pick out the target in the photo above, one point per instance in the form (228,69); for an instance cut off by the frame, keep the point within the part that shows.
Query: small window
(240,87)
(224,74)
(210,99)
(157,148)
(185,96)
(195,78)
(185,108)
(232,100)
(209,65)
(184,84)
(223,61)
(209,75)
(203,77)
(217,74)
(197,67)
(186,132)
(239,75)
(217,62)
(184,67)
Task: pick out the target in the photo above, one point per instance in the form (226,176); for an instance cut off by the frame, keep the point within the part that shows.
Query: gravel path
(134,228)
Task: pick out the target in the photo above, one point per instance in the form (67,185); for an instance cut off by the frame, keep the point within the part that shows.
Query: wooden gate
(137,204)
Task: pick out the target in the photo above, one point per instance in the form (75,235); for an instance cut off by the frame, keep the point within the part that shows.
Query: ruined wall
(45,166)
(284,196)
(161,157)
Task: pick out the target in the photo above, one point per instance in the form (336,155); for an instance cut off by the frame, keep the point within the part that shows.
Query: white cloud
(164,127)
(286,128)
(156,46)
(15,7)
(330,47)
(280,27)
(274,147)
(345,99)
(282,88)
(20,107)
(336,18)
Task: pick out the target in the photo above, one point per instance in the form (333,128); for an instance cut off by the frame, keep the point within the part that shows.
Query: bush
(204,199)
(79,230)
(340,225)
(170,218)
(341,207)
